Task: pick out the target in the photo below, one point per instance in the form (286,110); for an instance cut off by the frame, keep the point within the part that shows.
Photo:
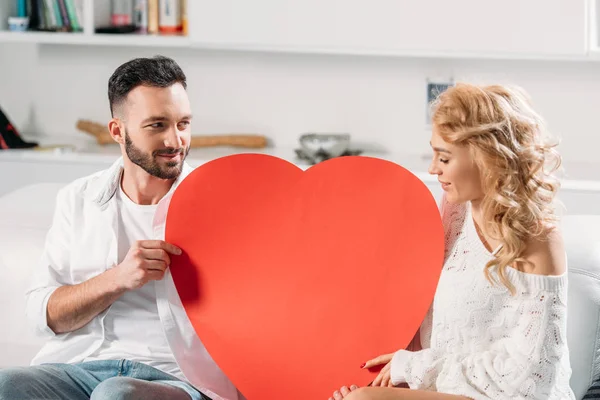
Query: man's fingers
(160,244)
(150,244)
(156,254)
(155,265)
(155,275)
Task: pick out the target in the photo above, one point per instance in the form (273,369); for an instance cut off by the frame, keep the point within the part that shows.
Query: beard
(149,162)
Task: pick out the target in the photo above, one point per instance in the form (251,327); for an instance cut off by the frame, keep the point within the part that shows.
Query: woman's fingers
(383,359)
(386,380)
(377,381)
(386,375)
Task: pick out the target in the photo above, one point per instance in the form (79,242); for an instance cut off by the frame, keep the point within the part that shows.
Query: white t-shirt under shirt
(132,327)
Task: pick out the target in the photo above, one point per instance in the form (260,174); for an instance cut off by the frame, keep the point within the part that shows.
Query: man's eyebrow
(154,118)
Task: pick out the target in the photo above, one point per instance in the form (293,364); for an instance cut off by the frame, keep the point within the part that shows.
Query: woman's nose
(434,169)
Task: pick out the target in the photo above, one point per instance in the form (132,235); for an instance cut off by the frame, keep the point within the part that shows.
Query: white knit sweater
(481,342)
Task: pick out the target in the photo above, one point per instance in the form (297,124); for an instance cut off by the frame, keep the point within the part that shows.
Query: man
(103,293)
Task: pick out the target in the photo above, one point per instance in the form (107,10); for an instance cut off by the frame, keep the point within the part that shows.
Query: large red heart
(292,279)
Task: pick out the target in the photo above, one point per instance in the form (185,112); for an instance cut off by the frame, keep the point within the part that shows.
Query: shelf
(388,53)
(142,40)
(96,39)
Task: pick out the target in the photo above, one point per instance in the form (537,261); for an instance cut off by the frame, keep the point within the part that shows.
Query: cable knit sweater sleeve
(483,342)
(521,365)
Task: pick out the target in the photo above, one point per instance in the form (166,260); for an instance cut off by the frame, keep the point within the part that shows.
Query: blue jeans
(95,380)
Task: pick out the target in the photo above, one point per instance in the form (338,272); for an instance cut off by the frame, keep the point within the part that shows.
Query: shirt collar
(102,188)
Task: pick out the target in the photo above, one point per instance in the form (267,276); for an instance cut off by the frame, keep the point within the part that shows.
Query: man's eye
(156,125)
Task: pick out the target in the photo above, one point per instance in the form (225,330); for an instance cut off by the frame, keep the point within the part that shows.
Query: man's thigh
(50,381)
(126,388)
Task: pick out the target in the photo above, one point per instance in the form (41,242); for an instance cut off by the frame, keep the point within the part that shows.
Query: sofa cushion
(582,241)
(25,215)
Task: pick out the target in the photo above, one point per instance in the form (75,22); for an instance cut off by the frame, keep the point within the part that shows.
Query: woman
(497,326)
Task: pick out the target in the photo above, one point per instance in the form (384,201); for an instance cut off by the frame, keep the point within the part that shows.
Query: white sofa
(26,214)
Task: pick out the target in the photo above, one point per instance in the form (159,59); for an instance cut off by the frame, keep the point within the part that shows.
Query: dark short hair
(158,71)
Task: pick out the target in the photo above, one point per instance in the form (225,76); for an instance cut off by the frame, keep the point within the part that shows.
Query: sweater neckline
(533,281)
(475,235)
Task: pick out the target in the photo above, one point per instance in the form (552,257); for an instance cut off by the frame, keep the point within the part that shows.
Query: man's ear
(116,129)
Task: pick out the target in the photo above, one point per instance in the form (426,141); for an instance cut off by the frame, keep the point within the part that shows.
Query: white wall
(380,100)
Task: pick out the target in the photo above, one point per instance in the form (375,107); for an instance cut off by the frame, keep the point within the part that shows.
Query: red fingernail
(363,365)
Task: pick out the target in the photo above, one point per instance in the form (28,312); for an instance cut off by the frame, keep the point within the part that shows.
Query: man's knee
(117,388)
(11,376)
(12,379)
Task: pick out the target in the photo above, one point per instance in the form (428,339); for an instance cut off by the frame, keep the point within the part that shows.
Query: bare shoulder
(546,255)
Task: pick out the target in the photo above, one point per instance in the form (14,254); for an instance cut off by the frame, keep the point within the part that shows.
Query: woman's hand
(343,392)
(384,376)
(383,379)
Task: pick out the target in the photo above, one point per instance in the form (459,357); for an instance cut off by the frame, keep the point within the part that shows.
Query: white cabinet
(24,168)
(438,28)
(536,28)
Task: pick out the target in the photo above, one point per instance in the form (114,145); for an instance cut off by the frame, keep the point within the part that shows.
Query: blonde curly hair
(516,159)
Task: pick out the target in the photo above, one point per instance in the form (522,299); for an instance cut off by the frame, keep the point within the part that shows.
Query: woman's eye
(443,161)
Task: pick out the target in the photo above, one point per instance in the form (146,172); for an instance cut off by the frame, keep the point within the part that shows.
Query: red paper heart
(293,279)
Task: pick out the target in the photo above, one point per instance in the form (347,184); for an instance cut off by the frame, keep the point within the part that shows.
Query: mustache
(168,151)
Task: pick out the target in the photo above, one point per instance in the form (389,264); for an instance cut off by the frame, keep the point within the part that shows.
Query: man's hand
(146,261)
(71,307)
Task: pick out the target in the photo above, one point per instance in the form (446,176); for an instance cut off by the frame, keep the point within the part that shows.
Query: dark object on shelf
(35,18)
(9,136)
(322,155)
(317,147)
(116,29)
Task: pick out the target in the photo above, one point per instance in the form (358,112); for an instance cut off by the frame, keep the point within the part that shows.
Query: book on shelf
(165,17)
(55,15)
(153,17)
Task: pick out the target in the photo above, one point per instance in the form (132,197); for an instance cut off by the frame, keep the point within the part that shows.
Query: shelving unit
(95,14)
(254,28)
